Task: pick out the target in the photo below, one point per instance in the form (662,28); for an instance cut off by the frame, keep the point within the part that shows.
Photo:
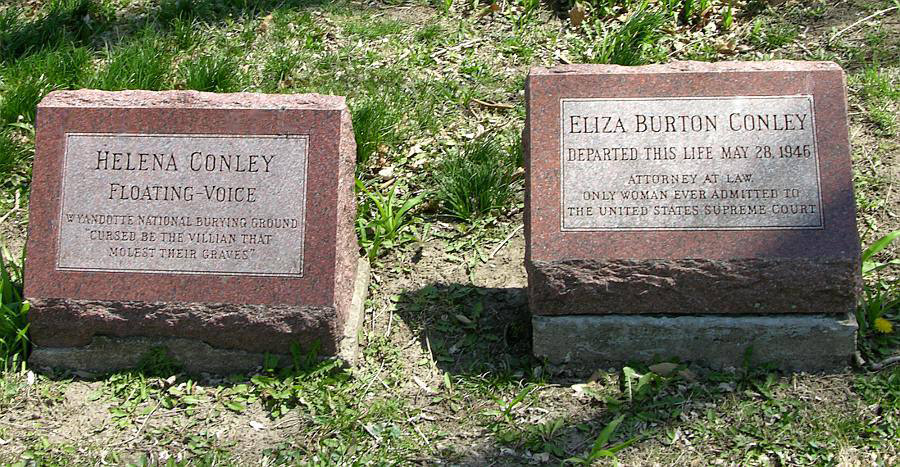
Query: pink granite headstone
(220,226)
(690,189)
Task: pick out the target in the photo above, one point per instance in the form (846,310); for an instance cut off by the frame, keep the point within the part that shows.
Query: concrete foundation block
(813,343)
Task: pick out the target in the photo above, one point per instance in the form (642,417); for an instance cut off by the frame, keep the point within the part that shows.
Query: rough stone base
(814,343)
(694,286)
(108,353)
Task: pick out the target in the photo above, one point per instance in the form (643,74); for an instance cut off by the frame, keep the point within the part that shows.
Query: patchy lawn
(437,97)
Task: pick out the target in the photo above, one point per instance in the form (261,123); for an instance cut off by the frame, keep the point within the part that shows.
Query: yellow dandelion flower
(883,326)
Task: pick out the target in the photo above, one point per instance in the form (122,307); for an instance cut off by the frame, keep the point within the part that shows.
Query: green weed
(637,386)
(505,413)
(869,263)
(476,180)
(601,447)
(630,43)
(375,123)
(728,17)
(279,66)
(693,11)
(296,27)
(154,383)
(884,120)
(770,35)
(526,12)
(543,437)
(14,343)
(213,73)
(384,221)
(186,34)
(879,92)
(143,63)
(880,310)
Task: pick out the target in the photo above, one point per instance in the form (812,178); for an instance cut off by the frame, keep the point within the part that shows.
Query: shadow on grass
(472,330)
(482,338)
(87,23)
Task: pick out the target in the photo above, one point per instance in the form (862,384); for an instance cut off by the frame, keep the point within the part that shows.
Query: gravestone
(701,211)
(218,226)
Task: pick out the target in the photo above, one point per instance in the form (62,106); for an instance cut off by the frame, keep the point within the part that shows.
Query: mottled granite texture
(690,271)
(106,351)
(239,312)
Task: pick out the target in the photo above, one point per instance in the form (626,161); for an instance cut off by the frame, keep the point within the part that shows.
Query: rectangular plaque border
(180,272)
(562,178)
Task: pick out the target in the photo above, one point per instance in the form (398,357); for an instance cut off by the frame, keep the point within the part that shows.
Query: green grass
(880,93)
(215,72)
(375,128)
(446,372)
(28,80)
(882,390)
(60,21)
(428,33)
(772,34)
(13,155)
(142,63)
(628,44)
(477,179)
(280,66)
(374,29)
(880,303)
(14,343)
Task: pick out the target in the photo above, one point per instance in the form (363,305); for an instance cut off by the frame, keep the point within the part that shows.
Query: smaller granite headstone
(691,210)
(219,226)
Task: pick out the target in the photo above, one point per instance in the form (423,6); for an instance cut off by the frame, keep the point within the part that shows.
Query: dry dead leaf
(386,173)
(726,47)
(423,386)
(688,375)
(256,425)
(663,369)
(265,23)
(462,318)
(576,15)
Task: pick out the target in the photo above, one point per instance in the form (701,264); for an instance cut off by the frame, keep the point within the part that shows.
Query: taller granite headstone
(220,226)
(691,210)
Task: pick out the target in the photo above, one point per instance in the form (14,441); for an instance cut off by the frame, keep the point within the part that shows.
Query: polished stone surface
(691,163)
(188,204)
